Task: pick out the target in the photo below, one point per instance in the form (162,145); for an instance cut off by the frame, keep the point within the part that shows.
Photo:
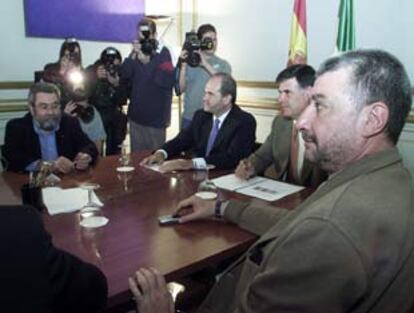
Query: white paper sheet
(232,182)
(58,200)
(259,187)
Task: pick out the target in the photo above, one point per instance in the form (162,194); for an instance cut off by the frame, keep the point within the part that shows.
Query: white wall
(253,35)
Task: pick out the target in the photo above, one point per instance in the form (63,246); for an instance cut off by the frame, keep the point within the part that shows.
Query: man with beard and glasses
(46,134)
(349,247)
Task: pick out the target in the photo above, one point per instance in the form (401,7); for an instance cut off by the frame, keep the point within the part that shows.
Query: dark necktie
(213,135)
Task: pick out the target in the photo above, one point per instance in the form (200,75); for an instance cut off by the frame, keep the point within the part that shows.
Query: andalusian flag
(298,47)
(346,30)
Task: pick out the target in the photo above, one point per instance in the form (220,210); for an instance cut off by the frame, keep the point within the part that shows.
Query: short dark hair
(205,28)
(376,75)
(42,87)
(304,74)
(228,85)
(70,44)
(145,21)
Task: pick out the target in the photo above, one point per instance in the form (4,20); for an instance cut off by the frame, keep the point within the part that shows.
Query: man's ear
(376,118)
(227,99)
(31,109)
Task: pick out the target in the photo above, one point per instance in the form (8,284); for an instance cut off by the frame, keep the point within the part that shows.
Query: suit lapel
(207,124)
(227,127)
(34,141)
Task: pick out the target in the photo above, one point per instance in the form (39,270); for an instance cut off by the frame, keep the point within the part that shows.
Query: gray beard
(50,124)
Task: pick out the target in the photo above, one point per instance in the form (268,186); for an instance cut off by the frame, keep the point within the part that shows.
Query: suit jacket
(22,145)
(346,248)
(36,277)
(275,152)
(234,141)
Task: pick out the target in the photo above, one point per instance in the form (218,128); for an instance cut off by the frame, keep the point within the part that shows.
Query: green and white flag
(346,29)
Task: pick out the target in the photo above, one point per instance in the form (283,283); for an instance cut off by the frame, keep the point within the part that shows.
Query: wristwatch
(217,209)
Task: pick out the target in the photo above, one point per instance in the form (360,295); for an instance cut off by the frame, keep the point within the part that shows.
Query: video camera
(148,45)
(193,43)
(108,57)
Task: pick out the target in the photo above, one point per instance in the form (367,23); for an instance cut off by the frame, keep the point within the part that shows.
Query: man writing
(221,134)
(283,149)
(46,134)
(349,246)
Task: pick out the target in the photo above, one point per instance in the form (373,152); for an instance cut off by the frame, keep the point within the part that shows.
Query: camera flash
(75,77)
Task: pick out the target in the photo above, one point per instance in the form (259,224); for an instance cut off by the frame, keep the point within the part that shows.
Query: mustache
(307,137)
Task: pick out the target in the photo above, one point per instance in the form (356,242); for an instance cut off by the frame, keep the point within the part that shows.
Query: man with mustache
(282,154)
(349,247)
(45,134)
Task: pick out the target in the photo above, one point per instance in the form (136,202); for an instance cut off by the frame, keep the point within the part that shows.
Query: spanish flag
(298,47)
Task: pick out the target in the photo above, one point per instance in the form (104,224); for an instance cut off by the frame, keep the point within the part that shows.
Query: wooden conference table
(133,238)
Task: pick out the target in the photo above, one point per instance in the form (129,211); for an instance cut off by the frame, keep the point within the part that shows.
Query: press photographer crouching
(89,118)
(108,98)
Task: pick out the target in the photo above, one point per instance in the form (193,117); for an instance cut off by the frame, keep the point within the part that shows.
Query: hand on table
(82,161)
(195,208)
(62,165)
(176,165)
(150,292)
(155,158)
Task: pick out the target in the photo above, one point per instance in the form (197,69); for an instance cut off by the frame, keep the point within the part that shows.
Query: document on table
(259,187)
(58,200)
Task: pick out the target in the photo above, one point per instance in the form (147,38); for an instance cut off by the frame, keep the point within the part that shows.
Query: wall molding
(15,85)
(12,105)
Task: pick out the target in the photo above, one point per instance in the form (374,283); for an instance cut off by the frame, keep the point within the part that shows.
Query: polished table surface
(133,238)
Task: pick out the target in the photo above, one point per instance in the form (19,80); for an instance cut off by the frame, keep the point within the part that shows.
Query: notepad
(258,187)
(58,200)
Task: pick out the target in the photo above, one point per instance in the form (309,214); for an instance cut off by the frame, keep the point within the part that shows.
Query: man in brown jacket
(275,156)
(349,246)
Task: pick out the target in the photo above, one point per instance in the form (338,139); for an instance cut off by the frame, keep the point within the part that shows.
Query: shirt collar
(222,117)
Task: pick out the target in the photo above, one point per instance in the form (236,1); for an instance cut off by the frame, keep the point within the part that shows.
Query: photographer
(89,118)
(150,73)
(194,71)
(67,73)
(107,98)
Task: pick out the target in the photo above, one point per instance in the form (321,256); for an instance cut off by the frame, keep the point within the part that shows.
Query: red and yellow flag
(298,47)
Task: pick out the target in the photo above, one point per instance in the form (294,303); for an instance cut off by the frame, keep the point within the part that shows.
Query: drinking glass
(125,158)
(91,213)
(207,185)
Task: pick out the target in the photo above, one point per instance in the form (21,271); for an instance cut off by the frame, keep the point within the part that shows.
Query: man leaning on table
(349,246)
(45,133)
(221,134)
(282,154)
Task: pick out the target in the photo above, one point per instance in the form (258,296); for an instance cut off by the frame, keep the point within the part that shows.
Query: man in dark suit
(349,247)
(36,277)
(46,134)
(282,154)
(221,134)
